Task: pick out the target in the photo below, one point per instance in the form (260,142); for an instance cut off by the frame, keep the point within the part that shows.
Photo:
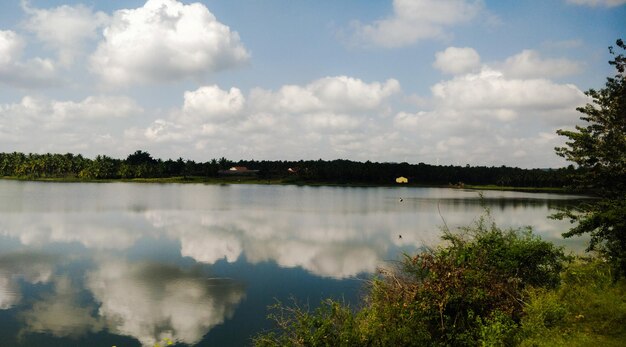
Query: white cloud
(162,131)
(95,107)
(331,121)
(529,64)
(415,20)
(165,40)
(11,47)
(40,125)
(455,60)
(491,118)
(490,92)
(213,103)
(64,28)
(341,116)
(338,94)
(53,114)
(596,3)
(36,72)
(293,118)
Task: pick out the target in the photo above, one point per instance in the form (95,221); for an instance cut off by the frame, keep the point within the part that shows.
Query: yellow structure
(402,179)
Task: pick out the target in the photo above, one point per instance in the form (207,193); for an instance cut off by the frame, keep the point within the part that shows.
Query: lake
(125,264)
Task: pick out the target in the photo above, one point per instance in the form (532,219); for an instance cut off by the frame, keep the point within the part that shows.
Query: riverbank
(279,181)
(518,189)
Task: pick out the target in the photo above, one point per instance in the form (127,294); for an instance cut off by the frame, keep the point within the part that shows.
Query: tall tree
(599,150)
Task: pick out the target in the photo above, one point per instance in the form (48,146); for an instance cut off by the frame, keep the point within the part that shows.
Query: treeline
(137,165)
(142,165)
(346,171)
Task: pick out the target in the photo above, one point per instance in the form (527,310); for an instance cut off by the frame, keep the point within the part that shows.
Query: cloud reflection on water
(60,313)
(329,232)
(30,267)
(330,243)
(152,302)
(147,301)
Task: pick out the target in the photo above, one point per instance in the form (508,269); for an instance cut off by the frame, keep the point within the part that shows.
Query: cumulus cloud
(469,118)
(340,93)
(38,112)
(216,118)
(64,28)
(41,125)
(492,93)
(455,60)
(212,103)
(529,64)
(415,20)
(597,3)
(490,116)
(95,107)
(14,71)
(165,40)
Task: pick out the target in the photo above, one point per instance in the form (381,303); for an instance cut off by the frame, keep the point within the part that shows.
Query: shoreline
(276,181)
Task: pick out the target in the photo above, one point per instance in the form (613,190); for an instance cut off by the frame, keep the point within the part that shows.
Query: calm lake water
(122,264)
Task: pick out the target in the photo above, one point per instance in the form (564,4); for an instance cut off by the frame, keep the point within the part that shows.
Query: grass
(587,309)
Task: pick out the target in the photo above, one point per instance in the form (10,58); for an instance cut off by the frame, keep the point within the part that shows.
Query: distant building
(238,171)
(402,179)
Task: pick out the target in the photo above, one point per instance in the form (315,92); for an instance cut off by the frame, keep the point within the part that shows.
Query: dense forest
(142,165)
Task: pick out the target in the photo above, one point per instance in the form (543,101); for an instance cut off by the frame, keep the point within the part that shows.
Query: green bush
(469,292)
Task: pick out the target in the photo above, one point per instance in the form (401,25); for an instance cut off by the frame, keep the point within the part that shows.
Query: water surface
(124,264)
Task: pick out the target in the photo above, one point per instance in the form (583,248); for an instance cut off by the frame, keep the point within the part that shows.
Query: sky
(435,81)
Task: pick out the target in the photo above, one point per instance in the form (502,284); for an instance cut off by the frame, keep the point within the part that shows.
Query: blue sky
(434,81)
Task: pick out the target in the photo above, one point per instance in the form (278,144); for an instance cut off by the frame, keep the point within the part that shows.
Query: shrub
(469,292)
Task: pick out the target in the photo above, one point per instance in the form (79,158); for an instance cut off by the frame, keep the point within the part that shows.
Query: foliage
(467,293)
(589,308)
(599,149)
(137,165)
(141,164)
(331,324)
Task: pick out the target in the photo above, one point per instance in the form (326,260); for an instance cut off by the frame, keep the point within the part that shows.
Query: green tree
(140,157)
(599,150)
